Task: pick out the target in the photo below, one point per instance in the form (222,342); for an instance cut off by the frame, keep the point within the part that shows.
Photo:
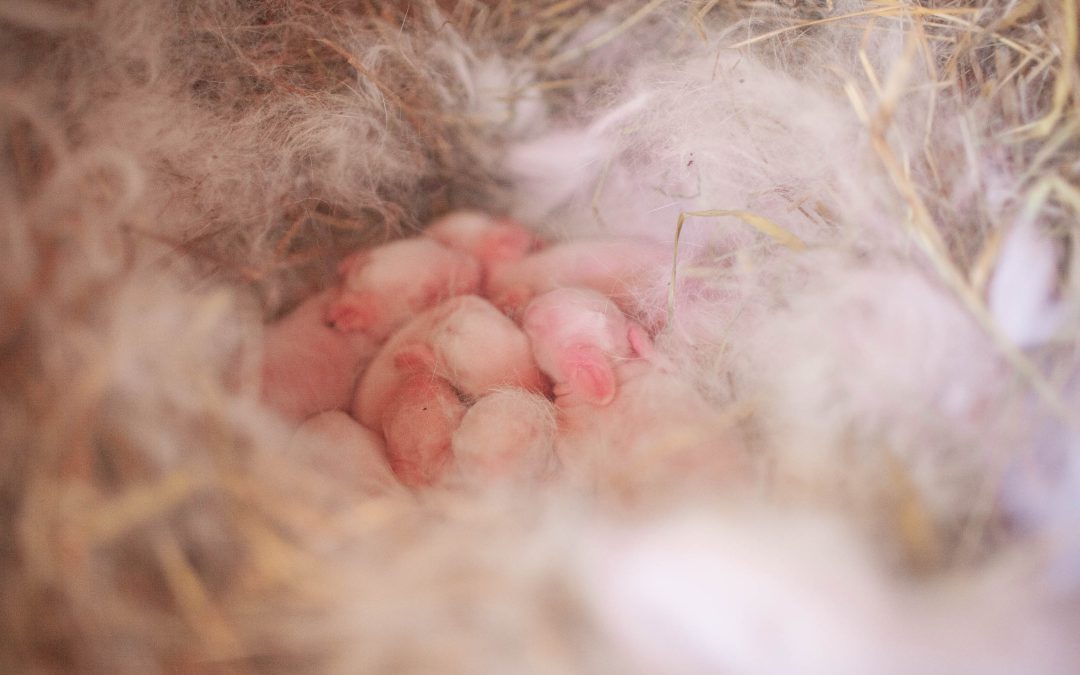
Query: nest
(174,175)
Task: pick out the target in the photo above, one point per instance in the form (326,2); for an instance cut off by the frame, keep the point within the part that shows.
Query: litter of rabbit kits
(463,336)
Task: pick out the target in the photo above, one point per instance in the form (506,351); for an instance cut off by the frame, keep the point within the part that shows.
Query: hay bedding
(877,289)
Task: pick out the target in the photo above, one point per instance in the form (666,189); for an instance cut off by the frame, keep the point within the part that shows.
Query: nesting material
(866,218)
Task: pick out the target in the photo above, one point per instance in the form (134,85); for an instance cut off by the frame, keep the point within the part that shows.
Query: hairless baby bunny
(518,265)
(313,356)
(623,410)
(336,446)
(495,242)
(622,269)
(309,366)
(381,288)
(415,391)
(507,437)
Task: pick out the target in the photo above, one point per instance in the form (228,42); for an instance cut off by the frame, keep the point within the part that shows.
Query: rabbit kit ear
(640,342)
(353,312)
(589,374)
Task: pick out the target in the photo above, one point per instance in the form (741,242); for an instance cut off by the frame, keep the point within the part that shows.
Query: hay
(172,175)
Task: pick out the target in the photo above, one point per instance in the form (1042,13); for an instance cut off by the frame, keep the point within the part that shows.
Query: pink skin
(308,366)
(507,436)
(616,394)
(313,356)
(617,268)
(495,242)
(583,342)
(418,423)
(464,348)
(382,287)
(335,445)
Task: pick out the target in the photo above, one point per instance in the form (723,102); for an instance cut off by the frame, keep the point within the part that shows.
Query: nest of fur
(880,197)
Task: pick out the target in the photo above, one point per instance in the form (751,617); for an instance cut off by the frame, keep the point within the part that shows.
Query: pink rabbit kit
(539,336)
(574,377)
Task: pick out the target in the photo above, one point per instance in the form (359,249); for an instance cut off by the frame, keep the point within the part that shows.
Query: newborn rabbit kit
(493,336)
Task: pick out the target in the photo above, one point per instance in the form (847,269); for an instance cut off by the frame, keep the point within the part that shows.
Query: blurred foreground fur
(881,298)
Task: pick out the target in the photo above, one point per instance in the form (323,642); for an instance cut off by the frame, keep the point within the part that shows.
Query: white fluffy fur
(173,150)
